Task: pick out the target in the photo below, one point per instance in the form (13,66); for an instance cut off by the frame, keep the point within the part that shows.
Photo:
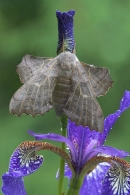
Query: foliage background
(102,34)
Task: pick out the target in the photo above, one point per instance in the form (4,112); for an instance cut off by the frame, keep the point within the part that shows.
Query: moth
(63,83)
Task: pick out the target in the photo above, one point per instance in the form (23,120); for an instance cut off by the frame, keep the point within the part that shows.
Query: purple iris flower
(22,163)
(100,167)
(65,31)
(85,145)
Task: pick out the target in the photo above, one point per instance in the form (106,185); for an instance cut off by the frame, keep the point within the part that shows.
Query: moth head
(67,60)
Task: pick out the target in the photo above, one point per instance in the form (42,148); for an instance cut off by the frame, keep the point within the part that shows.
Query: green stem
(75,185)
(62,162)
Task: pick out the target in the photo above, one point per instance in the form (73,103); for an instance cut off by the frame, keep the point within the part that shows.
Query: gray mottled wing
(82,107)
(30,65)
(35,96)
(99,79)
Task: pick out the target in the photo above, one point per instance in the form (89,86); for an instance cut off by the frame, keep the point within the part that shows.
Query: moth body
(61,91)
(61,94)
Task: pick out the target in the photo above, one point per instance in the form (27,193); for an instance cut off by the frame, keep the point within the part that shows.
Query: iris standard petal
(58,138)
(106,150)
(92,183)
(108,124)
(83,140)
(78,134)
(111,119)
(125,102)
(111,151)
(12,185)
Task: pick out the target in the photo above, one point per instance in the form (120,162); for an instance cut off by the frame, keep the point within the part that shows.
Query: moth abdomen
(63,80)
(62,88)
(61,94)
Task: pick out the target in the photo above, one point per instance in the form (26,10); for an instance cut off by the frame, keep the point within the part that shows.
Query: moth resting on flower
(63,83)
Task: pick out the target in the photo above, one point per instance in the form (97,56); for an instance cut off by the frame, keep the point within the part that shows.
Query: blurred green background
(102,35)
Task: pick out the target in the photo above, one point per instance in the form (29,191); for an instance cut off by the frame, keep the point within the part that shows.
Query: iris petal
(65,30)
(108,124)
(117,180)
(12,185)
(81,138)
(24,161)
(106,150)
(68,172)
(125,102)
(80,134)
(111,151)
(92,183)
(56,137)
(111,119)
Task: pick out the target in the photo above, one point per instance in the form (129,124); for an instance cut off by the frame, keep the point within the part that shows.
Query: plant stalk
(75,185)
(63,147)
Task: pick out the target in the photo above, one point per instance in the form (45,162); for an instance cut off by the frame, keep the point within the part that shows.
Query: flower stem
(75,185)
(62,162)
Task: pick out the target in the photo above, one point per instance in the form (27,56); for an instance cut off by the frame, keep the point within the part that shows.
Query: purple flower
(23,162)
(100,166)
(65,31)
(93,167)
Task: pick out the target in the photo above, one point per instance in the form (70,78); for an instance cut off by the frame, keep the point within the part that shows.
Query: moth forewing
(82,107)
(99,79)
(30,65)
(35,96)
